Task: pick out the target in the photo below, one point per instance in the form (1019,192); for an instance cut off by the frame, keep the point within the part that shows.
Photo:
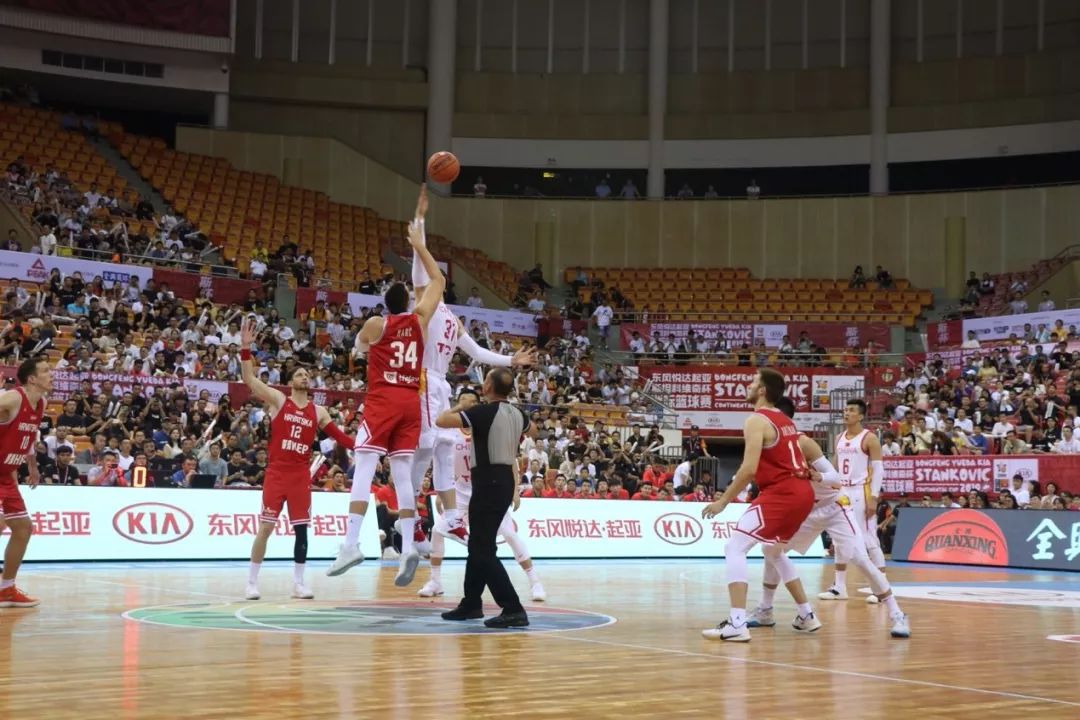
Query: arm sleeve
(829,476)
(419,273)
(481,355)
(339,435)
(877,477)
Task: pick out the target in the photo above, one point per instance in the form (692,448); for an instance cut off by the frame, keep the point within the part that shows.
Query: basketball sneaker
(390,553)
(13,597)
(407,568)
(833,593)
(760,617)
(347,557)
(900,627)
(432,588)
(455,531)
(728,632)
(807,624)
(300,591)
(872,599)
(252,592)
(537,592)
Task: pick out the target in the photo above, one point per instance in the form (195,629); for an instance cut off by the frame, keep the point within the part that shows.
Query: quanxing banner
(987,329)
(714,398)
(509,322)
(35,268)
(931,474)
(829,335)
(109,523)
(1040,539)
(554,528)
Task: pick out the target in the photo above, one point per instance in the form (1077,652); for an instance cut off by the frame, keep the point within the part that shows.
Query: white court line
(159,588)
(827,671)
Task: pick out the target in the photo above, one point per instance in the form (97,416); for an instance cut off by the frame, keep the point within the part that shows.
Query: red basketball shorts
(287,487)
(777,512)
(11,502)
(391,423)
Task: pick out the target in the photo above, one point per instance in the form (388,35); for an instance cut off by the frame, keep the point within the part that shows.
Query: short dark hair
(774,384)
(859,404)
(786,406)
(397,298)
(502,381)
(28,368)
(469,391)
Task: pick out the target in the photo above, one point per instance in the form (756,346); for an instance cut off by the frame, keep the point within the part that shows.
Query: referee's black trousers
(492,493)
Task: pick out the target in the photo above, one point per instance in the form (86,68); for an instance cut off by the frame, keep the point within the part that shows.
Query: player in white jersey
(858,457)
(463,489)
(445,334)
(832,513)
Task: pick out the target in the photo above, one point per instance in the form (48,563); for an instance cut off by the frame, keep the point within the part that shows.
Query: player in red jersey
(20,416)
(293,423)
(391,417)
(773,459)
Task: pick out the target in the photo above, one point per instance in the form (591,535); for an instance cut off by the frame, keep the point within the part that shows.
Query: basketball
(443,167)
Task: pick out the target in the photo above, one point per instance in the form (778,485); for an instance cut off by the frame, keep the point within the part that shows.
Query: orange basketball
(443,167)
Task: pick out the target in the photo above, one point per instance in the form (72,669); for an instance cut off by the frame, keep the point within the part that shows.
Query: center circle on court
(357,617)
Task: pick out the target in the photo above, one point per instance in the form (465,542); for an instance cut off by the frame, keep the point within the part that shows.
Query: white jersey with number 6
(852,460)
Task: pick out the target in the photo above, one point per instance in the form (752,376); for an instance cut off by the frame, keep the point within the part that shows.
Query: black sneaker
(463,613)
(508,620)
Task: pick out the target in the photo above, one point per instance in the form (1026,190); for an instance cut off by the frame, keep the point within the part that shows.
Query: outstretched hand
(422,202)
(524,357)
(247,332)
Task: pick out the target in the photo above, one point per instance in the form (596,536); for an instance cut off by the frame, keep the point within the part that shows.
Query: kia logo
(152,523)
(677,529)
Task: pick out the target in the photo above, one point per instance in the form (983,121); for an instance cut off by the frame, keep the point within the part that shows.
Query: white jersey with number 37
(852,460)
(441,342)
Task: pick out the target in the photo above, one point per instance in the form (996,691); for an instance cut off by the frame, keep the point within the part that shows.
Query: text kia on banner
(1041,539)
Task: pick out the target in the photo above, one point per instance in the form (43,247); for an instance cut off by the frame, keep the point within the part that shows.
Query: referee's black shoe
(508,620)
(463,613)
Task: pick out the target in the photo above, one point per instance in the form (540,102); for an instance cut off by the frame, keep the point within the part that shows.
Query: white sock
(805,609)
(532,575)
(841,579)
(436,573)
(5,584)
(253,572)
(352,533)
(894,607)
(298,573)
(767,595)
(408,525)
(738,616)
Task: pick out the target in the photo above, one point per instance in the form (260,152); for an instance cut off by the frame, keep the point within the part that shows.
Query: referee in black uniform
(497,427)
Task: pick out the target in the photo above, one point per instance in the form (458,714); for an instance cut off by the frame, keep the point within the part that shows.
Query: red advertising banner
(948,333)
(239,393)
(932,474)
(66,383)
(828,335)
(714,398)
(223,290)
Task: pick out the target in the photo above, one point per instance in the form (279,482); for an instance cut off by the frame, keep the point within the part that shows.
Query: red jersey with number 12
(292,433)
(782,461)
(17,437)
(394,360)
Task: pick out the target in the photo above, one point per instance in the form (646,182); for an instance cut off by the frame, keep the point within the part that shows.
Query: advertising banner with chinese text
(32,267)
(988,329)
(828,335)
(1041,539)
(932,474)
(222,290)
(714,398)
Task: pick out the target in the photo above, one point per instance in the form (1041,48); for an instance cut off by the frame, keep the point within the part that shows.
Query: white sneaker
(538,594)
(389,553)
(728,632)
(900,627)
(807,624)
(833,593)
(252,592)
(407,568)
(872,599)
(300,591)
(432,588)
(347,557)
(760,617)
(452,531)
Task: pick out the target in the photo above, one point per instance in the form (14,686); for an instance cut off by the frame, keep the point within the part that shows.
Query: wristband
(245,354)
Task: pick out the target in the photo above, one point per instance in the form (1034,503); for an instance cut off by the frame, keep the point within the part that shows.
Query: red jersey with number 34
(394,360)
(17,437)
(292,433)
(782,461)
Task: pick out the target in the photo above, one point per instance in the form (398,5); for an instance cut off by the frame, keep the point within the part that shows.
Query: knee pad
(442,469)
(735,556)
(401,471)
(300,544)
(364,464)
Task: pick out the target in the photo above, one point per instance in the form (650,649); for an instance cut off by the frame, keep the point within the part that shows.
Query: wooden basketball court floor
(616,639)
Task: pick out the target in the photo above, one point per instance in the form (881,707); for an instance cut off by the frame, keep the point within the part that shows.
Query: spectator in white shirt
(603,315)
(637,345)
(1018,305)
(1020,491)
(682,474)
(1068,444)
(257,268)
(1047,304)
(629,190)
(972,342)
(536,304)
(47,241)
(963,422)
(1002,427)
(92,196)
(479,188)
(753,190)
(474,299)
